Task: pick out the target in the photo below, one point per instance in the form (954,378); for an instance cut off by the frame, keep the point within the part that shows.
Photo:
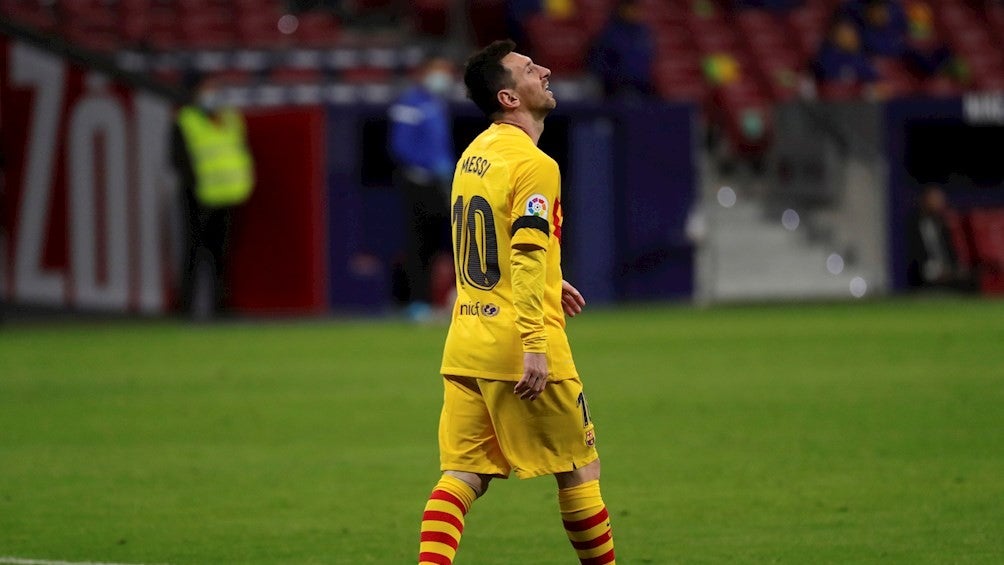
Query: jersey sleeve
(536,185)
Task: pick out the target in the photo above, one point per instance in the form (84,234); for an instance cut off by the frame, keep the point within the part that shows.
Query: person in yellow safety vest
(216,174)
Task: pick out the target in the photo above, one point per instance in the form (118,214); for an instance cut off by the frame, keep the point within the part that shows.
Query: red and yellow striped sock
(443,521)
(587,523)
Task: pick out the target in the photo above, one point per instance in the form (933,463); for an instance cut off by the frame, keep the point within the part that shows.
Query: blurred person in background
(215,175)
(513,401)
(882,25)
(518,11)
(623,53)
(926,53)
(934,263)
(841,61)
(887,31)
(421,145)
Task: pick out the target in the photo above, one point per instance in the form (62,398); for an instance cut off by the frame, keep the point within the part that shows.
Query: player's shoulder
(531,158)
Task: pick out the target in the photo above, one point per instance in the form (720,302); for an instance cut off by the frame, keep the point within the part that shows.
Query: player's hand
(534,376)
(571,300)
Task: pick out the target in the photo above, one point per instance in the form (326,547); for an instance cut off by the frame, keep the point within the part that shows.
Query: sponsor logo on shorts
(487,310)
(590,438)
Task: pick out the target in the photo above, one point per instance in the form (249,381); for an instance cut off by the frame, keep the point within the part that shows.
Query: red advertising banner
(90,207)
(278,262)
(85,202)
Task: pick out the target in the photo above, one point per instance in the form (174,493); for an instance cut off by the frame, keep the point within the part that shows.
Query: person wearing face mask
(421,145)
(215,174)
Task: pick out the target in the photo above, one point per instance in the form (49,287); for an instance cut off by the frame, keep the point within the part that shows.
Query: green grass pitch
(851,433)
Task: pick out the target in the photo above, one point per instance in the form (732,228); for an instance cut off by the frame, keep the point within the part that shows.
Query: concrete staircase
(748,256)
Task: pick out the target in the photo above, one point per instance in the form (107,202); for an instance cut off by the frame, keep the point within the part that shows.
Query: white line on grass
(20,561)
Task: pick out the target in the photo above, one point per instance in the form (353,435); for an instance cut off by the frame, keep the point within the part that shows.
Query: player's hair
(485,76)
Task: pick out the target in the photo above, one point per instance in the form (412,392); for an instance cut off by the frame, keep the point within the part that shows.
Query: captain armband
(531,222)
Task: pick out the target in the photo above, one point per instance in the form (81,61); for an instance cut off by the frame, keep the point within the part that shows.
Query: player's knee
(476,481)
(590,472)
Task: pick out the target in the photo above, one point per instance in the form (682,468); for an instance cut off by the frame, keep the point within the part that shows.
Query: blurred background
(263,160)
(711,150)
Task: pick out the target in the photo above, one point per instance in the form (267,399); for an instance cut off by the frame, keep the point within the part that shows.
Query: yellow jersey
(506,192)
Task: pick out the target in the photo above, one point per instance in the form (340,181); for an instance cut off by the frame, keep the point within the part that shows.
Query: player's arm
(527,264)
(535,189)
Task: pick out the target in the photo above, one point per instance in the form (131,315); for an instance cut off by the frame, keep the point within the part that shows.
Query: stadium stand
(769,45)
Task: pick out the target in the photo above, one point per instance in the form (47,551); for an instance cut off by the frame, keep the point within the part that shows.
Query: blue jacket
(888,40)
(420,134)
(833,64)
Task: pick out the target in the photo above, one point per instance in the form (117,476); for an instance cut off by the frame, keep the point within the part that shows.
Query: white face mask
(209,99)
(438,82)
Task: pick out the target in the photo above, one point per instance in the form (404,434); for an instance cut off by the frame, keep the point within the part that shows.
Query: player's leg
(443,518)
(469,457)
(584,514)
(218,243)
(554,435)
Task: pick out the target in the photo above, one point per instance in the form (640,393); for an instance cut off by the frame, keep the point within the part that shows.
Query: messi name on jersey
(475,165)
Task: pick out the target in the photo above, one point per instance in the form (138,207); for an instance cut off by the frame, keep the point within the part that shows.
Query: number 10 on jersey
(475,245)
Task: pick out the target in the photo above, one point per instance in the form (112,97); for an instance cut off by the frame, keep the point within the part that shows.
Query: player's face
(532,84)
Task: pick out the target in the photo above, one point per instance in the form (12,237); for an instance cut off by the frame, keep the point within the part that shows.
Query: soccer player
(513,401)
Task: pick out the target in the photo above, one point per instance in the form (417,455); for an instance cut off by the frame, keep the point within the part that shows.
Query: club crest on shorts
(537,205)
(590,438)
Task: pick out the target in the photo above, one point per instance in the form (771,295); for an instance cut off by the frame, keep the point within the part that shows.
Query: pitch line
(20,561)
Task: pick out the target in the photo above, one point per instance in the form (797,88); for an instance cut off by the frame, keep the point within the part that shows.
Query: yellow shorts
(485,428)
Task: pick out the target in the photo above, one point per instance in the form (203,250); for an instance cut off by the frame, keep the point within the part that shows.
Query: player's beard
(545,108)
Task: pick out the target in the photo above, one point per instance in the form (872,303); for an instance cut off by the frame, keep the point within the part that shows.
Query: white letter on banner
(99,116)
(31,67)
(152,118)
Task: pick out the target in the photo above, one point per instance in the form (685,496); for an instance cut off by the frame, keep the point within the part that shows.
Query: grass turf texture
(856,433)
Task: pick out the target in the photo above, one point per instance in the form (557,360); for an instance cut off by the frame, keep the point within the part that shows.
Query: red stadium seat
(941,86)
(293,75)
(677,76)
(431,16)
(809,26)
(896,78)
(207,28)
(317,29)
(487,18)
(987,229)
(593,14)
(260,30)
(233,77)
(148,23)
(30,13)
(560,45)
(671,35)
(715,39)
(361,75)
(782,74)
(91,24)
(839,91)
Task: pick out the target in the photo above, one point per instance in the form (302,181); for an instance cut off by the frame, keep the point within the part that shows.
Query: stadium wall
(90,218)
(955,143)
(629,180)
